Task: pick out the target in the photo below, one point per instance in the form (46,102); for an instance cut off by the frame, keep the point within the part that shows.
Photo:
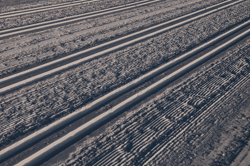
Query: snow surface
(93,123)
(52,23)
(39,9)
(30,107)
(94,105)
(16,21)
(100,53)
(153,133)
(13,5)
(37,47)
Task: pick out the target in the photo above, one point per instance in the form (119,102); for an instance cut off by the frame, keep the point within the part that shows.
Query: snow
(48,100)
(70,19)
(49,45)
(161,122)
(38,9)
(85,7)
(25,6)
(170,128)
(93,56)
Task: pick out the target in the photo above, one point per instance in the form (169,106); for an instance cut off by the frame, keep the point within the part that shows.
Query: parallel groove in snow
(43,153)
(191,126)
(49,129)
(62,21)
(43,8)
(139,139)
(156,134)
(167,144)
(125,41)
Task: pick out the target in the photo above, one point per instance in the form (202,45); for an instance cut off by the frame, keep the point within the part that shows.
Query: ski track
(56,93)
(173,110)
(159,131)
(96,4)
(40,9)
(59,41)
(111,45)
(36,23)
(30,5)
(240,65)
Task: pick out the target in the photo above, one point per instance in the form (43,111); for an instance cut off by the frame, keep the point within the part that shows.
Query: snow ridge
(39,9)
(61,21)
(130,101)
(94,56)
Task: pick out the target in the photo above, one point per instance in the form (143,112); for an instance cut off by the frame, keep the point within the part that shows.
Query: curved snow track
(222,42)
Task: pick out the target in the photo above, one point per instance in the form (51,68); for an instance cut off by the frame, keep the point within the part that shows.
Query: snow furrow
(23,20)
(107,45)
(193,123)
(106,98)
(108,159)
(62,21)
(128,102)
(49,44)
(42,8)
(170,144)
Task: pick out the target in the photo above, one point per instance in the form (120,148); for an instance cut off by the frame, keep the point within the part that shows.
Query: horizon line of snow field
(96,55)
(93,123)
(102,75)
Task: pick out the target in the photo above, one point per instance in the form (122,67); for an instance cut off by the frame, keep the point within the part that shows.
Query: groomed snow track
(66,20)
(26,77)
(71,137)
(42,8)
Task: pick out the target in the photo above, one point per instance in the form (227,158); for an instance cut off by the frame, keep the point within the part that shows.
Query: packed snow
(203,119)
(31,107)
(28,19)
(150,134)
(37,47)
